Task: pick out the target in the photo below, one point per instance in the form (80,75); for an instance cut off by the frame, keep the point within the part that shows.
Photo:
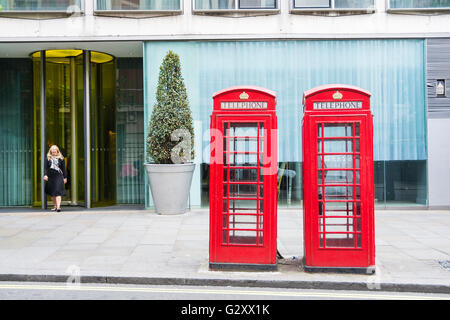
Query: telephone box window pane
(337,177)
(341,225)
(247,144)
(237,159)
(257,4)
(224,221)
(358,224)
(339,193)
(338,146)
(339,240)
(243,190)
(242,221)
(357,145)
(243,130)
(225,190)
(338,161)
(243,237)
(335,209)
(241,175)
(243,206)
(338,130)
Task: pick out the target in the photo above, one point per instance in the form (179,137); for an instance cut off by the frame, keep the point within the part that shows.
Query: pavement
(131,245)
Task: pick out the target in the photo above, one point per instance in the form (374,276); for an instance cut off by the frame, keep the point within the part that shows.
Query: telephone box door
(243,232)
(338,182)
(340,214)
(243,181)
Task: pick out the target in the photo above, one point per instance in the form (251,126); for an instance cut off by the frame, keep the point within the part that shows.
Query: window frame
(429,9)
(137,12)
(237,9)
(331,8)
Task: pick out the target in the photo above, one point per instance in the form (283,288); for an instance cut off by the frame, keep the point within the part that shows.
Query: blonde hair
(59,155)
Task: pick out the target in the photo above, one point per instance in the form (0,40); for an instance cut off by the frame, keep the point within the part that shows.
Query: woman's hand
(45,178)
(65,181)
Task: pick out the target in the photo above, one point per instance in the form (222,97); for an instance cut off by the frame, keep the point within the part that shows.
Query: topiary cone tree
(170,136)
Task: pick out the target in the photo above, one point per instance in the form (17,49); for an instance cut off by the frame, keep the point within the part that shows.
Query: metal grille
(339,185)
(242,210)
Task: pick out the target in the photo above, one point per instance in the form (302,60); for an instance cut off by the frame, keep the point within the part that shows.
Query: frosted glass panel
(392,70)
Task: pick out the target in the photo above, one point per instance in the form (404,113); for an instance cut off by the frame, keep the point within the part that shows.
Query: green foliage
(170,113)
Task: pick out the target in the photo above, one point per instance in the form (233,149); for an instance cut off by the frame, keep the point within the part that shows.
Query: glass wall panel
(409,4)
(16,123)
(138,5)
(392,70)
(103,133)
(39,5)
(130,131)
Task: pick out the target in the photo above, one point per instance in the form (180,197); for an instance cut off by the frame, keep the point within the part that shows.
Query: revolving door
(74,108)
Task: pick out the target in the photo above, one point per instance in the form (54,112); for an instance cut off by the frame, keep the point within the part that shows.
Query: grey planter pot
(170,185)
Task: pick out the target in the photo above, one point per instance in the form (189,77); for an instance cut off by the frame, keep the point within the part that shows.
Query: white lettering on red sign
(337,105)
(244,105)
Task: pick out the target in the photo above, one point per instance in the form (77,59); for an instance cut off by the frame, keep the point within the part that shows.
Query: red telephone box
(243,172)
(338,179)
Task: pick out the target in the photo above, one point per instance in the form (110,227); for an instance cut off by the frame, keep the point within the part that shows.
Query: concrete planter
(170,185)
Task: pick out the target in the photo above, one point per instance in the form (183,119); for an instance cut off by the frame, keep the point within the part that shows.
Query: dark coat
(55,184)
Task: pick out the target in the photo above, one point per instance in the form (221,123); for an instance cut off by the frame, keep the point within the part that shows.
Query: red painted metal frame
(361,253)
(221,250)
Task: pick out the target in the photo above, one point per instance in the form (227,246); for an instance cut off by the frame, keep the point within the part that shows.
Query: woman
(55,176)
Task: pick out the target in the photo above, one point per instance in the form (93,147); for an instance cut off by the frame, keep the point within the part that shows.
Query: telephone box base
(368,270)
(242,267)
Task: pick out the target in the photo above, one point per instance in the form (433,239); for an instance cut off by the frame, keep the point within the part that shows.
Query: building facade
(82,74)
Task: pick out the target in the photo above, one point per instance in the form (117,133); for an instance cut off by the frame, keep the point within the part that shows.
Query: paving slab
(138,246)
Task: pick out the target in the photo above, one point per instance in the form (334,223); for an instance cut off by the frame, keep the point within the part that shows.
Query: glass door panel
(103,133)
(64,123)
(339,185)
(243,197)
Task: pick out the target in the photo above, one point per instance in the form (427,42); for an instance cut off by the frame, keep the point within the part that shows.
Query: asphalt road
(63,291)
